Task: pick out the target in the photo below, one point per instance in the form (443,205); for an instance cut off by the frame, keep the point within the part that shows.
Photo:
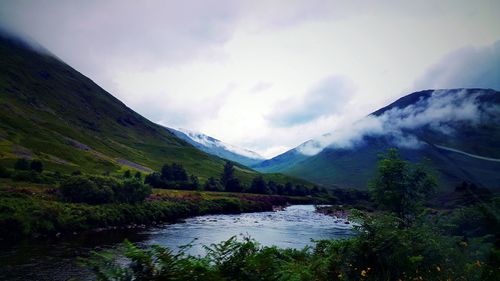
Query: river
(55,259)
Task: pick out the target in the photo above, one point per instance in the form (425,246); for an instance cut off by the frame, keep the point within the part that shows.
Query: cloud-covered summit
(266,75)
(440,111)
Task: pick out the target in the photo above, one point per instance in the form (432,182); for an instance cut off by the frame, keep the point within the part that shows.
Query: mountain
(50,111)
(218,148)
(457,130)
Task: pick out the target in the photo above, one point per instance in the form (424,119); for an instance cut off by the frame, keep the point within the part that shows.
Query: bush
(22,164)
(37,166)
(127,174)
(100,190)
(213,184)
(4,173)
(81,189)
(131,191)
(28,176)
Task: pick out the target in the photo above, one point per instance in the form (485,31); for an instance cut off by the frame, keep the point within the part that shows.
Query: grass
(28,209)
(50,111)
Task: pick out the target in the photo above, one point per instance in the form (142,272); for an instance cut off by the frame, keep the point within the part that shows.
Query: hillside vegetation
(51,112)
(457,130)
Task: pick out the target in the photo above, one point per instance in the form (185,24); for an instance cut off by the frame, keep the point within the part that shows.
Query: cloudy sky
(266,75)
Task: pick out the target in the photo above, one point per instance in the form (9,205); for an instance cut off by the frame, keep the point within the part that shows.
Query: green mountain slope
(457,130)
(50,111)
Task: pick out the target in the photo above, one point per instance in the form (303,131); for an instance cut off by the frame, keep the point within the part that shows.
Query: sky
(266,75)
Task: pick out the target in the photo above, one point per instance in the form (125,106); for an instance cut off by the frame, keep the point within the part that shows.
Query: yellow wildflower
(363,273)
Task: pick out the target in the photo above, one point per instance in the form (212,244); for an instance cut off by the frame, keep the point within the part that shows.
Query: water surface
(54,259)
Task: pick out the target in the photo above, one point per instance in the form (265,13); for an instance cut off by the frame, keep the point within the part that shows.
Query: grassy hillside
(353,167)
(51,112)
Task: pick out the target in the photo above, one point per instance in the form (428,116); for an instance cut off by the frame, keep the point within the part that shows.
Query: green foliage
(36,165)
(259,185)
(227,174)
(138,176)
(380,252)
(172,177)
(23,213)
(22,164)
(29,176)
(194,182)
(127,174)
(101,190)
(212,184)
(174,172)
(233,185)
(4,173)
(400,186)
(81,189)
(131,191)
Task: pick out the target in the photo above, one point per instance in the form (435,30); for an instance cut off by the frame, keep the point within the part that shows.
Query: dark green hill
(457,130)
(50,111)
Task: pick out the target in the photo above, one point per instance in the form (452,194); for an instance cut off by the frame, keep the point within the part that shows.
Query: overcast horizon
(266,76)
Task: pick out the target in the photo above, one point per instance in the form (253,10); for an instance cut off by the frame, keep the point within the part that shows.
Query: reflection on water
(293,227)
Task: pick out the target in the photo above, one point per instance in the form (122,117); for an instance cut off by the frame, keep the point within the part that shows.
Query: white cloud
(440,111)
(226,68)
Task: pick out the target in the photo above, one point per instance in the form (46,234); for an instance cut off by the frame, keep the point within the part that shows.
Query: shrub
(259,185)
(131,191)
(127,174)
(154,179)
(28,176)
(4,173)
(22,164)
(37,166)
(81,189)
(213,184)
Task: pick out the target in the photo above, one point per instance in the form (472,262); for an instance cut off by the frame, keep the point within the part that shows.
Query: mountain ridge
(218,148)
(52,112)
(419,123)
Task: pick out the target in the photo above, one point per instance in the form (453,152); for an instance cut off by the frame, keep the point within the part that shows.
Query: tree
(154,179)
(259,185)
(22,165)
(400,186)
(288,189)
(194,182)
(76,173)
(81,189)
(273,187)
(138,176)
(4,173)
(127,174)
(227,174)
(234,185)
(166,173)
(132,191)
(174,172)
(228,180)
(36,165)
(212,184)
(179,173)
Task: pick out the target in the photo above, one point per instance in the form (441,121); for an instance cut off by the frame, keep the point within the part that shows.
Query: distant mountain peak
(219,148)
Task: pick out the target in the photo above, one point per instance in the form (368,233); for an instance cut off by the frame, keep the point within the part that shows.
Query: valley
(92,190)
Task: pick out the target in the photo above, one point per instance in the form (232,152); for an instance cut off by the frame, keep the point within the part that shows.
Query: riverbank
(30,210)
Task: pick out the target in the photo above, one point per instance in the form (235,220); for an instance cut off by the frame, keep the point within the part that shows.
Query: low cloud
(438,112)
(327,97)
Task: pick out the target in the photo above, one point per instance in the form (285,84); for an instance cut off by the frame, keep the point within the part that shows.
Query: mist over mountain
(456,129)
(216,147)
